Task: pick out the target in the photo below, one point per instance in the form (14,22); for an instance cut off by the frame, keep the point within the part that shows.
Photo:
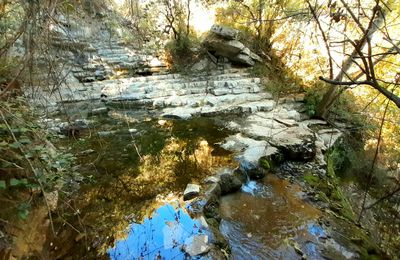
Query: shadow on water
(162,236)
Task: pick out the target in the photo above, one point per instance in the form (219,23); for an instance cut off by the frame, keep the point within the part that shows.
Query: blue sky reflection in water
(163,235)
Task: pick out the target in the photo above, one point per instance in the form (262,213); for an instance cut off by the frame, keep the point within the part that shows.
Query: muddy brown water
(264,221)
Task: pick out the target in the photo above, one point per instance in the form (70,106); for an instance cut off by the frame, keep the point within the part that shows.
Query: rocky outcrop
(265,139)
(92,54)
(231,92)
(222,42)
(296,144)
(224,32)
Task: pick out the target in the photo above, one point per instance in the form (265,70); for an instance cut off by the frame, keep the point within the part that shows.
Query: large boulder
(222,47)
(295,144)
(224,31)
(223,42)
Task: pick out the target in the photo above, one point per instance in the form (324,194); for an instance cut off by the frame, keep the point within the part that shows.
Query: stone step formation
(114,59)
(265,130)
(125,77)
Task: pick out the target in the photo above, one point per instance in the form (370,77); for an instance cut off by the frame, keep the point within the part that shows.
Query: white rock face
(329,136)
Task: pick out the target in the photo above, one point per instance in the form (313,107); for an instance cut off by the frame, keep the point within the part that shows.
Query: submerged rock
(198,245)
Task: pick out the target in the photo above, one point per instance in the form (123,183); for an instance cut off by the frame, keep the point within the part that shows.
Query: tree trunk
(332,93)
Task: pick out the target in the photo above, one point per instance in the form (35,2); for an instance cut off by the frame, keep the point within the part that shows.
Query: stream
(129,203)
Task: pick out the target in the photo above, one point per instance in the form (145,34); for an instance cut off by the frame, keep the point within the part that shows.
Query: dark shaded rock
(242,176)
(296,144)
(211,208)
(217,239)
(213,189)
(253,171)
(225,48)
(229,183)
(304,151)
(271,161)
(210,202)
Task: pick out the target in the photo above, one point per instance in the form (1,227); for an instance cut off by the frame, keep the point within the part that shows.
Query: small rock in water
(191,191)
(132,130)
(198,245)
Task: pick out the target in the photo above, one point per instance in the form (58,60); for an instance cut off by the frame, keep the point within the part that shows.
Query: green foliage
(277,78)
(8,67)
(329,190)
(28,161)
(311,179)
(179,52)
(336,193)
(23,210)
(265,163)
(312,99)
(351,161)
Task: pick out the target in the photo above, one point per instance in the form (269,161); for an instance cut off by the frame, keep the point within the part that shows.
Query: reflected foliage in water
(128,170)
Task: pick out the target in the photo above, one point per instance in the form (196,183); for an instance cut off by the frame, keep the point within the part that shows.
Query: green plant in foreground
(28,162)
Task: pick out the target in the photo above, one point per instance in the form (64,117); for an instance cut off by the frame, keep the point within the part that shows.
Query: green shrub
(28,161)
(179,52)
(312,100)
